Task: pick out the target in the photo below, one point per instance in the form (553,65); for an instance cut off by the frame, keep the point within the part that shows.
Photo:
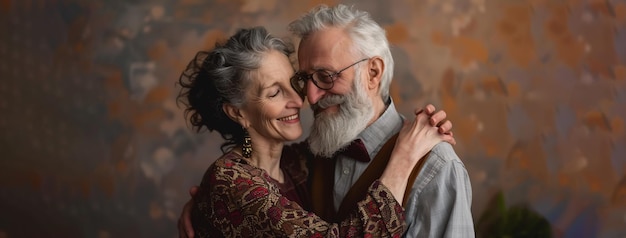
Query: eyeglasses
(323,79)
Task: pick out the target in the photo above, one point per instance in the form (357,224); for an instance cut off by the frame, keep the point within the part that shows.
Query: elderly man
(345,70)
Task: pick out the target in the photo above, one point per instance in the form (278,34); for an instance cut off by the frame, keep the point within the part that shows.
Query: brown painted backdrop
(92,143)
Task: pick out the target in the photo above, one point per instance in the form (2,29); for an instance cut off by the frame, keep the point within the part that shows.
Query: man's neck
(379,109)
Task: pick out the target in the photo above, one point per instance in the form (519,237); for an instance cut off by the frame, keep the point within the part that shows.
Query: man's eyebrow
(323,67)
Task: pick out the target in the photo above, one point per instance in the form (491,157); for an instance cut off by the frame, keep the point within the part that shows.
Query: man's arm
(441,198)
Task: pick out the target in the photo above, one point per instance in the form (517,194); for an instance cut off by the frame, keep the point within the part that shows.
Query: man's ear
(235,114)
(375,71)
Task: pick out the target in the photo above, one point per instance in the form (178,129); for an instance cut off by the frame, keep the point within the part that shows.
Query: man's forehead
(323,50)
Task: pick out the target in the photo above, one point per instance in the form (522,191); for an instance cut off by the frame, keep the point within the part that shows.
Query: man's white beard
(331,132)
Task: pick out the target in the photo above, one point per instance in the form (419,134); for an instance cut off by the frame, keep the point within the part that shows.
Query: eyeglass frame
(304,77)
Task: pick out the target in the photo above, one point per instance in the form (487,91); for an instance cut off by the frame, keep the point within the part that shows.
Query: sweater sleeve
(242,200)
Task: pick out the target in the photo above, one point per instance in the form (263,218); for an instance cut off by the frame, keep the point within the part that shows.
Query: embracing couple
(364,171)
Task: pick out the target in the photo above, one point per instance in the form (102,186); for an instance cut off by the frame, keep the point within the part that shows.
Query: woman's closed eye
(275,93)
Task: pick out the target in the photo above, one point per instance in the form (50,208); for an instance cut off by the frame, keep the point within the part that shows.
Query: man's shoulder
(440,164)
(443,153)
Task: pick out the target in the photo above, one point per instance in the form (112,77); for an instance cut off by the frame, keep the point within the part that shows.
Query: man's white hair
(368,37)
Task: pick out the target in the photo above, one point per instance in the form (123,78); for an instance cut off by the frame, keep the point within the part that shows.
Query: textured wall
(92,143)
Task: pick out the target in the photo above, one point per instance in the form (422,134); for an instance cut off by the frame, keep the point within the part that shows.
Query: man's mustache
(328,101)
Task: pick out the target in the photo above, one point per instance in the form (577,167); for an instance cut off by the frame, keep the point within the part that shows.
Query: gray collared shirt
(440,201)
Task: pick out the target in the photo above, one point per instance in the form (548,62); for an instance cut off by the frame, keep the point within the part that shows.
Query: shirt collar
(376,134)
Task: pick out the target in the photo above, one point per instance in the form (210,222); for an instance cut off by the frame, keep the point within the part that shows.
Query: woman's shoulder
(230,167)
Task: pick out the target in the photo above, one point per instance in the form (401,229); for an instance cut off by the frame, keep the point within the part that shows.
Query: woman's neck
(267,157)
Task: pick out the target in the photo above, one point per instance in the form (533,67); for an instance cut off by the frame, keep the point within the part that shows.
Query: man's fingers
(189,230)
(182,233)
(187,226)
(193,190)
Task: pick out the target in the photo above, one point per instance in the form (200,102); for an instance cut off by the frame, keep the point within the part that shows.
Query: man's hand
(185,229)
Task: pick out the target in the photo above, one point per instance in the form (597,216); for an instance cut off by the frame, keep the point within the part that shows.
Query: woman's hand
(438,119)
(419,136)
(416,138)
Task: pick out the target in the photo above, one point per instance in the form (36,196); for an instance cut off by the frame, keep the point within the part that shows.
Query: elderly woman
(242,90)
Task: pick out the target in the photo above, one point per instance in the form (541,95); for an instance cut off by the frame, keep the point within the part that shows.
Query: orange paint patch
(397,33)
(493,85)
(466,128)
(595,183)
(143,118)
(492,147)
(619,72)
(157,95)
(514,29)
(599,66)
(564,180)
(568,49)
(596,119)
(313,3)
(537,3)
(620,11)
(449,103)
(469,88)
(395,93)
(156,51)
(619,195)
(617,126)
(514,89)
(212,37)
(600,6)
(438,38)
(517,156)
(469,50)
(448,82)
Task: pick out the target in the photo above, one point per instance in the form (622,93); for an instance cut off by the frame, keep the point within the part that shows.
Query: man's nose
(313,93)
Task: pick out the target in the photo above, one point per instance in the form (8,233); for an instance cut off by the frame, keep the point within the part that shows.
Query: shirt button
(346,171)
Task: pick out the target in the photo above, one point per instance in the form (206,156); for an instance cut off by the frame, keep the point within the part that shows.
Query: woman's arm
(415,139)
(240,199)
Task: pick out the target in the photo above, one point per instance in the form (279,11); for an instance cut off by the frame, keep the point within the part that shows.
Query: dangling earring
(247,144)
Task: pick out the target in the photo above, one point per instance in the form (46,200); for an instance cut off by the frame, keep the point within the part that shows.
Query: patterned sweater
(237,199)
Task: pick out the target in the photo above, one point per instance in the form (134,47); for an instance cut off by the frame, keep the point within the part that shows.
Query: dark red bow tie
(356,150)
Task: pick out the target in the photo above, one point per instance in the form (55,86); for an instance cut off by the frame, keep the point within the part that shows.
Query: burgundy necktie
(356,150)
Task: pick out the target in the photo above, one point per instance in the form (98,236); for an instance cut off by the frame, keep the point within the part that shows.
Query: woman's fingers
(448,138)
(438,117)
(445,127)
(430,109)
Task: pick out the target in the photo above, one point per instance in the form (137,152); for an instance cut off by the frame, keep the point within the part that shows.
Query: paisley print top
(237,199)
